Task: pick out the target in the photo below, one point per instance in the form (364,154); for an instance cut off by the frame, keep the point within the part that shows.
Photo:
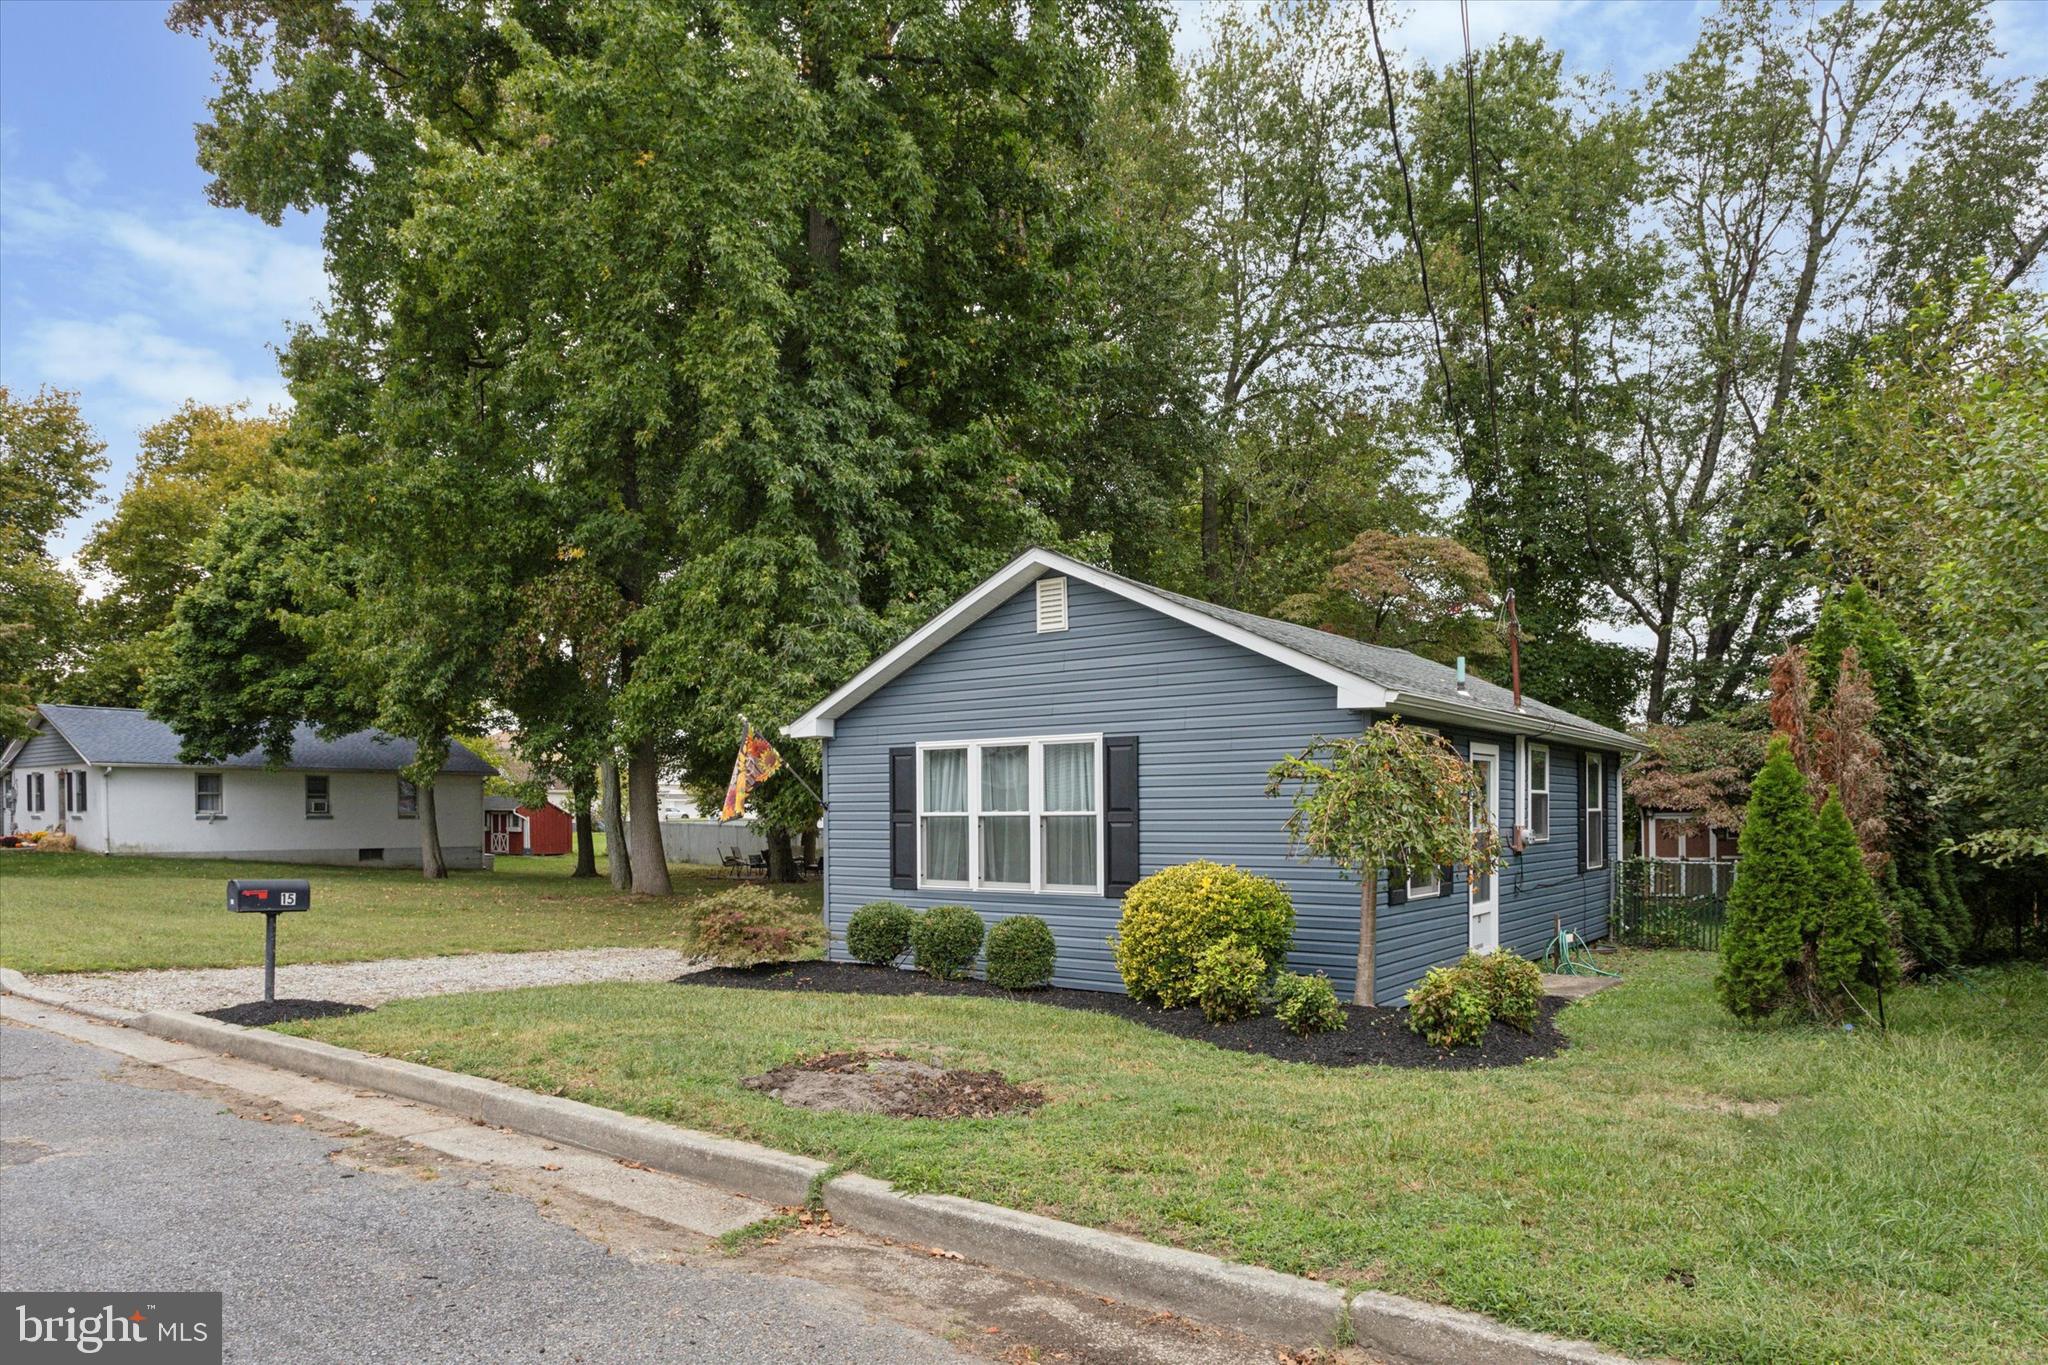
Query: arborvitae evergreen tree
(1848,942)
(1771,903)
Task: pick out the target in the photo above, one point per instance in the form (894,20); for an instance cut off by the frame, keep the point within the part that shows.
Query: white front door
(1483,888)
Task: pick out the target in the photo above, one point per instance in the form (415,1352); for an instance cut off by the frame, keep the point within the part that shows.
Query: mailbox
(271,897)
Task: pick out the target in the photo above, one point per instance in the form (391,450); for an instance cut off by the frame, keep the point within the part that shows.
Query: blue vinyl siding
(1211,718)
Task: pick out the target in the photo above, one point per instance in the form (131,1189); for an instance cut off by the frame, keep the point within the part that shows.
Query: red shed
(549,829)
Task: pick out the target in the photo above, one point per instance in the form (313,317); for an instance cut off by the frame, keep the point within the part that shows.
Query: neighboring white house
(111,777)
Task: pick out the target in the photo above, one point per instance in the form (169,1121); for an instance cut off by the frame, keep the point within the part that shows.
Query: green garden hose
(1560,954)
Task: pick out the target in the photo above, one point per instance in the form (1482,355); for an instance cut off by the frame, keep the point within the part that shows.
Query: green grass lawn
(81,912)
(1671,1184)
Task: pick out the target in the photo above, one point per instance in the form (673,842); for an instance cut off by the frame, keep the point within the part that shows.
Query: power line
(1408,195)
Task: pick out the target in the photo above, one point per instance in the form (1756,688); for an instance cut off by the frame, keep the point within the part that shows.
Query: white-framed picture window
(1596,812)
(1539,793)
(1019,814)
(209,797)
(408,800)
(319,801)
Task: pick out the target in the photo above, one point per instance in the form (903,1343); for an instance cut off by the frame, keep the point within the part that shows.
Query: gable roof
(1366,677)
(120,736)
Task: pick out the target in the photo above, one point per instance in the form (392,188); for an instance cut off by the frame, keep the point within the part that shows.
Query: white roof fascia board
(1353,692)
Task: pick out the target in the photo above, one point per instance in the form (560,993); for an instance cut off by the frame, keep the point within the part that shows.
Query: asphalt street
(106,1185)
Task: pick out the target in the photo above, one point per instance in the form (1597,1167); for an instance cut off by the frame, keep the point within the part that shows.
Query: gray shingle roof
(130,738)
(1394,669)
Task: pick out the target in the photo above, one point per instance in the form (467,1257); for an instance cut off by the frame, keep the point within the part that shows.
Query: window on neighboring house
(71,789)
(318,807)
(1015,814)
(1596,812)
(32,792)
(408,800)
(1539,793)
(207,797)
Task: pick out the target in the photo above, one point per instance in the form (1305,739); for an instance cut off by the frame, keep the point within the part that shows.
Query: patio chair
(734,865)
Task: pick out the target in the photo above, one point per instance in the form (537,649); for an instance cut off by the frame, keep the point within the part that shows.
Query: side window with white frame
(408,800)
(1596,812)
(1011,814)
(1424,881)
(1539,793)
(71,791)
(209,801)
(34,793)
(319,805)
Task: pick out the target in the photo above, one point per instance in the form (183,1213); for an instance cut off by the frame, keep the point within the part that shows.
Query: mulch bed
(257,1014)
(890,1083)
(1371,1036)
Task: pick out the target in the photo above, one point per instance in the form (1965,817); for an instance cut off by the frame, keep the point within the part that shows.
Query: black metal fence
(1670,904)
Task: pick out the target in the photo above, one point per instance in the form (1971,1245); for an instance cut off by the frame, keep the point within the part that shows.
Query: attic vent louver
(1052,604)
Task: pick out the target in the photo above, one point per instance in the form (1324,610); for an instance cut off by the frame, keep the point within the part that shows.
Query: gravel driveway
(369,983)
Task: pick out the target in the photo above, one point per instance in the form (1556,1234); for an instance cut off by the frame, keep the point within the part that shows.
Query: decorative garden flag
(755,763)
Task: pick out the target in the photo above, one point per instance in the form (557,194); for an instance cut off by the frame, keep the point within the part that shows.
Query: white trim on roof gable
(1353,692)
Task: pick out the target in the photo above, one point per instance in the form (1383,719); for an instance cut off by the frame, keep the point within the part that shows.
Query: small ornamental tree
(1849,943)
(1394,794)
(1772,898)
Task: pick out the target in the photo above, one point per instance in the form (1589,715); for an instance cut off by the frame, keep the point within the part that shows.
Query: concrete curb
(14,983)
(1249,1298)
(1279,1307)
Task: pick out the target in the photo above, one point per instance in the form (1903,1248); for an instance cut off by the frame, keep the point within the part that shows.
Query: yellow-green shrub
(1229,977)
(1511,983)
(1173,915)
(1449,1008)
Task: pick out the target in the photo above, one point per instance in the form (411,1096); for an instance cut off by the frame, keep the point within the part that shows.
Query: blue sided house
(1060,732)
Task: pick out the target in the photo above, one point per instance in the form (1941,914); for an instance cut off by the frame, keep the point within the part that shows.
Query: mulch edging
(257,1014)
(1371,1036)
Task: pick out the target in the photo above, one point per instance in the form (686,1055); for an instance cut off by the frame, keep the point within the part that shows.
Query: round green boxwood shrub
(1307,1004)
(945,940)
(1229,977)
(879,932)
(1173,915)
(748,925)
(1449,1008)
(1020,953)
(1511,984)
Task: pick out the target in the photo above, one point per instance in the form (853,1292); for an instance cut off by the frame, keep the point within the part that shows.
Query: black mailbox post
(269,899)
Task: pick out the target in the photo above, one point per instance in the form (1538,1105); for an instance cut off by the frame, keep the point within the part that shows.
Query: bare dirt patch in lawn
(1370,1036)
(890,1083)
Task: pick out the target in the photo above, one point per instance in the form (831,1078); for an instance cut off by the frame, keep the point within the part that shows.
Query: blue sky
(120,281)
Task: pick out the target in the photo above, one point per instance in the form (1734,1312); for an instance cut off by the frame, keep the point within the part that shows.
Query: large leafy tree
(745,289)
(50,463)
(1526,188)
(187,470)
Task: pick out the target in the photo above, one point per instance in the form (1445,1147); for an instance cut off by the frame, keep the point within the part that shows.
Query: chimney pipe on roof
(1461,677)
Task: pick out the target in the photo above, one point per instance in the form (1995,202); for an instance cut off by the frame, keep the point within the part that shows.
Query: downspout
(107,808)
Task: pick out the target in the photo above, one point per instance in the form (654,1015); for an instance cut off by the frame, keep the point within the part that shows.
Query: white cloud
(220,269)
(136,367)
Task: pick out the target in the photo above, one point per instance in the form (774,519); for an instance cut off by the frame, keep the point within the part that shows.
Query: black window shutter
(1120,814)
(1397,882)
(1443,879)
(903,818)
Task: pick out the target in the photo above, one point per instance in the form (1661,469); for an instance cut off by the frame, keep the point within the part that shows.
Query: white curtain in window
(945,836)
(1070,850)
(1070,777)
(1006,839)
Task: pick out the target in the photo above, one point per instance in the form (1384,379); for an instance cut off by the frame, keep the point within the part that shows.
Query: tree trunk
(617,855)
(781,859)
(1368,935)
(586,836)
(1212,532)
(432,865)
(643,789)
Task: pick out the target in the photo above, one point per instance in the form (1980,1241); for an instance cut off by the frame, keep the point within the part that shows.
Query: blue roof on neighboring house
(124,737)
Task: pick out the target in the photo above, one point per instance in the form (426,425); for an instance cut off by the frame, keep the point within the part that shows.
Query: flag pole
(746,726)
